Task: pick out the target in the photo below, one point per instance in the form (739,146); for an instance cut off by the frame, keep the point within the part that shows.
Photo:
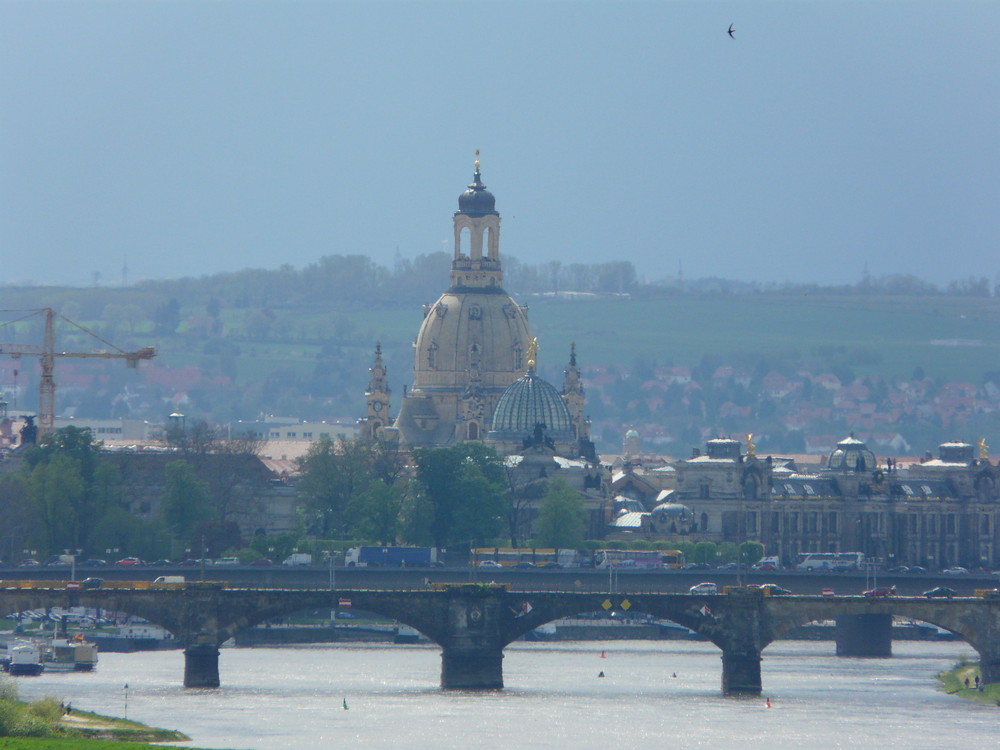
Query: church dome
(477,200)
(852,454)
(529,402)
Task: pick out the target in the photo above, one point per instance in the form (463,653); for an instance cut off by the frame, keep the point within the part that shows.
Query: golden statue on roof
(984,449)
(477,158)
(533,352)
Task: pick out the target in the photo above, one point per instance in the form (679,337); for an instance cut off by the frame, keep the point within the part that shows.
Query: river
(277,698)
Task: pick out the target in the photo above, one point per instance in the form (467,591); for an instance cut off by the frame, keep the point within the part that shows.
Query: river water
(277,698)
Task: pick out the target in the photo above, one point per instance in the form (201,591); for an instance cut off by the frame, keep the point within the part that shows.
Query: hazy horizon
(186,138)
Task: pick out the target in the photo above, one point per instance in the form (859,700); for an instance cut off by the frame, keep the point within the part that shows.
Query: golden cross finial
(477,158)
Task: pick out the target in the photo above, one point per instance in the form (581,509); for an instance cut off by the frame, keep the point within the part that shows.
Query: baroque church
(475,379)
(474,359)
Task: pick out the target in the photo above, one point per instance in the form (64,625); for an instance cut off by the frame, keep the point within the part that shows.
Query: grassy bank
(71,743)
(954,680)
(45,724)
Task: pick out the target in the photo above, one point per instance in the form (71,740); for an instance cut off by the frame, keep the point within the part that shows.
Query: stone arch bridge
(473,623)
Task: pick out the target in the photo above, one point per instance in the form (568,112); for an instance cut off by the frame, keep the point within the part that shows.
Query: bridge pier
(741,671)
(989,665)
(866,635)
(201,666)
(471,669)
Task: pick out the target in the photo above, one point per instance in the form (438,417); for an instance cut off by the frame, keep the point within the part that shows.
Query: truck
(391,557)
(297,559)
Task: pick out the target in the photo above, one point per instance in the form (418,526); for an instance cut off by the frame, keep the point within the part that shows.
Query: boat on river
(24,659)
(69,655)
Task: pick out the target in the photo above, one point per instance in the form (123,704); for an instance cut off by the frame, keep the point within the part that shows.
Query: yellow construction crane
(47,356)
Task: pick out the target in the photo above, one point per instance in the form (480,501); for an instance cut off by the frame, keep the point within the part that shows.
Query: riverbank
(961,681)
(47,723)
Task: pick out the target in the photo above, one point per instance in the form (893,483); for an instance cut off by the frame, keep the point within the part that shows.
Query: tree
(750,553)
(63,486)
(57,490)
(378,511)
(334,475)
(464,486)
(561,517)
(185,500)
(705,552)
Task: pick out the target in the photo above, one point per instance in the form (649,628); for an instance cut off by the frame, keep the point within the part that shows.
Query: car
(766,567)
(940,592)
(773,589)
(704,588)
(161,564)
(917,570)
(228,561)
(729,566)
(95,562)
(899,569)
(489,564)
(550,565)
(955,571)
(696,566)
(129,562)
(29,563)
(57,561)
(93,583)
(262,562)
(828,593)
(524,564)
(879,592)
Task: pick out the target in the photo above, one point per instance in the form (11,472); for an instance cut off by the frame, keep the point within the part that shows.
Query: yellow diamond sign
(607,604)
(626,604)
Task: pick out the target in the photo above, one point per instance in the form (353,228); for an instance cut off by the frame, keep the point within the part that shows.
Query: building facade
(938,513)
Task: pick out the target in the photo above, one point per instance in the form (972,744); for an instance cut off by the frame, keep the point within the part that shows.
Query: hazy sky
(186,138)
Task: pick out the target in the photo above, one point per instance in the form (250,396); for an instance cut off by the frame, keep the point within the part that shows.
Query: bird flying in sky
(731,30)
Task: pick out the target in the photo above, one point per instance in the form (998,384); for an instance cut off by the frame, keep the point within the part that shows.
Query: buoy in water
(600,674)
(768,703)
(602,655)
(345,704)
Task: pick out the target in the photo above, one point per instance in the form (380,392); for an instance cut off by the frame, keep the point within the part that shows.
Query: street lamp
(72,556)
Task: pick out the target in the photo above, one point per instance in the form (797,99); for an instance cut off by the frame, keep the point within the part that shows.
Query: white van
(169,579)
(228,561)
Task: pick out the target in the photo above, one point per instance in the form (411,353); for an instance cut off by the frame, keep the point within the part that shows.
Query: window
(307,435)
(949,523)
(832,522)
(704,490)
(984,526)
(793,522)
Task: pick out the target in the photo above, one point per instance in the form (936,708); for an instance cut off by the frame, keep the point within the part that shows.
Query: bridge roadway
(577,579)
(474,622)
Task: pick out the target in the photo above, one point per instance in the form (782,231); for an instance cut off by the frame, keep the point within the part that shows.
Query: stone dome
(480,331)
(528,402)
(477,200)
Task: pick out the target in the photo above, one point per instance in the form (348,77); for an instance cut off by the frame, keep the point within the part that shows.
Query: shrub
(47,709)
(8,688)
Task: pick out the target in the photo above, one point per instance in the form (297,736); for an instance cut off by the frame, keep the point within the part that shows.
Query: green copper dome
(528,402)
